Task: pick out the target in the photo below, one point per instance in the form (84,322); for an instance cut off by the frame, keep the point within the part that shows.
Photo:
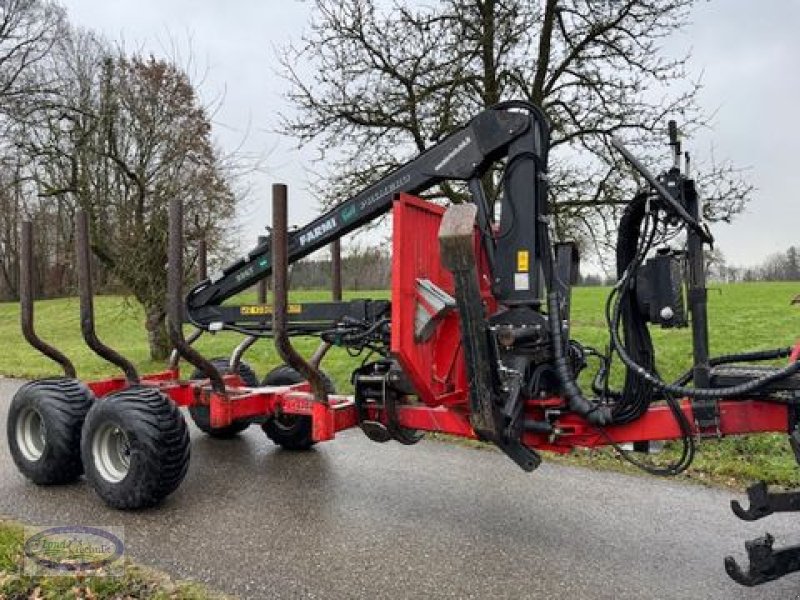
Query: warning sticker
(266,309)
(259,309)
(522,261)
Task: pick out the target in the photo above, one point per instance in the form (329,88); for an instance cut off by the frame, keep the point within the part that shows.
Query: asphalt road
(355,519)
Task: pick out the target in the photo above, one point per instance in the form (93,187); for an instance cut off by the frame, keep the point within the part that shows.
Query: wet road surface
(355,519)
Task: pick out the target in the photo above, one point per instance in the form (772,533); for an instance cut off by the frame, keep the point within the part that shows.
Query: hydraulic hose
(596,414)
(736,390)
(647,375)
(637,394)
(725,359)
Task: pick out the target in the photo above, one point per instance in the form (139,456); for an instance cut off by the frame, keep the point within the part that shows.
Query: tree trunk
(157,338)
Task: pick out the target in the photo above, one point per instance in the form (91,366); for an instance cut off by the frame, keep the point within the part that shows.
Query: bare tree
(28,31)
(387,83)
(779,266)
(118,138)
(363,268)
(793,263)
(10,209)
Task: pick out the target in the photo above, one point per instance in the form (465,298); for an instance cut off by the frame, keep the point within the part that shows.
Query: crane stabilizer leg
(764,503)
(457,251)
(766,563)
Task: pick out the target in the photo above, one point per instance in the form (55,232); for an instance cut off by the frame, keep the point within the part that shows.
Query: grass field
(744,316)
(120,323)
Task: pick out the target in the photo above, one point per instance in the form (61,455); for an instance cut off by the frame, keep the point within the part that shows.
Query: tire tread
(65,403)
(159,437)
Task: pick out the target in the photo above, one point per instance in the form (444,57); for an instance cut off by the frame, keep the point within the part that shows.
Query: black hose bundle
(733,391)
(637,231)
(637,393)
(620,297)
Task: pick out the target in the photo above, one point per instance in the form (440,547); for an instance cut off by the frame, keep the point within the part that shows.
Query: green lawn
(120,324)
(746,316)
(742,316)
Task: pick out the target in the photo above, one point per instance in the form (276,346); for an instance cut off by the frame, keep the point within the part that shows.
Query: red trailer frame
(437,370)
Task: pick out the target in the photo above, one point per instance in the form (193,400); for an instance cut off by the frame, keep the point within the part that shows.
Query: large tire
(135,448)
(291,432)
(201,414)
(44,429)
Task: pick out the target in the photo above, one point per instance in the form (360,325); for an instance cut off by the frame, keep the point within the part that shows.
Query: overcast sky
(748,53)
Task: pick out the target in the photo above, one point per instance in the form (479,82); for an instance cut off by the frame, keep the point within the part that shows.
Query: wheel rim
(111,452)
(31,434)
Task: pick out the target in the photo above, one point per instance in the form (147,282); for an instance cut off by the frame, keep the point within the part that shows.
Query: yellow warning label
(266,309)
(522,261)
(256,309)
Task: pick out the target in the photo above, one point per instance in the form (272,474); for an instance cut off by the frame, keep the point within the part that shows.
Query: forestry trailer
(474,342)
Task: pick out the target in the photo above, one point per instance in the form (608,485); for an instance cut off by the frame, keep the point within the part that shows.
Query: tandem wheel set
(127,435)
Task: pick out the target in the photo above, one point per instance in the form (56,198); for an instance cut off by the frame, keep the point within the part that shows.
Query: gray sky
(748,53)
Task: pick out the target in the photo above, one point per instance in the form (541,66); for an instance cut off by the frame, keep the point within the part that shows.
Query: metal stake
(26,304)
(336,269)
(86,294)
(175,299)
(280,267)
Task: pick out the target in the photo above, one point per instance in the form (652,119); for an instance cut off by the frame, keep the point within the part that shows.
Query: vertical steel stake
(336,269)
(86,293)
(175,298)
(26,304)
(202,274)
(280,268)
(247,343)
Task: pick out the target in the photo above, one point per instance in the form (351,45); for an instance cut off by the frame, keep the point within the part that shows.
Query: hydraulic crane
(475,340)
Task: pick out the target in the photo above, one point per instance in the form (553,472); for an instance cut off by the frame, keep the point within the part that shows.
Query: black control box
(659,290)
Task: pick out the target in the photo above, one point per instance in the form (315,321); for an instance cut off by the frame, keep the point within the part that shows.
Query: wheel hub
(111,451)
(31,434)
